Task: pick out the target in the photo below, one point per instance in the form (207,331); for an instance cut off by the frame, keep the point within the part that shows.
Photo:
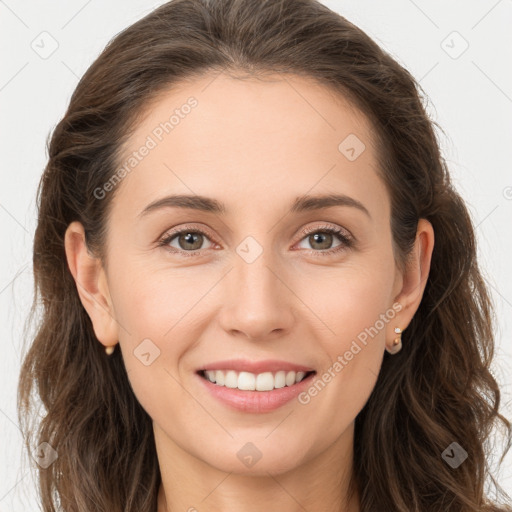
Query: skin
(255,145)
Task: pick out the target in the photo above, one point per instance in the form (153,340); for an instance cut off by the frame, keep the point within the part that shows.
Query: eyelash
(347,242)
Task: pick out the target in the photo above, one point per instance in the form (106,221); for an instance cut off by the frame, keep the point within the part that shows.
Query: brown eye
(190,240)
(320,239)
(185,241)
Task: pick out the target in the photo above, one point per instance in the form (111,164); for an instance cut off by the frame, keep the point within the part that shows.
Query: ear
(91,284)
(410,284)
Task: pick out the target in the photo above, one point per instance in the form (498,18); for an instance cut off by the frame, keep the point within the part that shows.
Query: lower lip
(256,401)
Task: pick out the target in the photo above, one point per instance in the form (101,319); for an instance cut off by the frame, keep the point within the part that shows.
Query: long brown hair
(437,390)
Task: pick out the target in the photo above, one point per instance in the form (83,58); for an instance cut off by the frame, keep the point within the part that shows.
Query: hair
(437,390)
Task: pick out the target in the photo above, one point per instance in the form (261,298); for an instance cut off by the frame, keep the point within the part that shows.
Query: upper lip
(256,367)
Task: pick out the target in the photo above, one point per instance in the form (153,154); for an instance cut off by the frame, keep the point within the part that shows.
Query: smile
(254,393)
(247,381)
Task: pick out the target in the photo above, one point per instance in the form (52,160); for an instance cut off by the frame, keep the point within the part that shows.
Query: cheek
(355,312)
(154,315)
(152,303)
(162,313)
(148,312)
(348,301)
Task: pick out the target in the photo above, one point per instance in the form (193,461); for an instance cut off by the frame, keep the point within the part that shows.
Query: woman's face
(258,278)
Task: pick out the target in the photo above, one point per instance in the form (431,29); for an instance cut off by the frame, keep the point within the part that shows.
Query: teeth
(252,382)
(231,379)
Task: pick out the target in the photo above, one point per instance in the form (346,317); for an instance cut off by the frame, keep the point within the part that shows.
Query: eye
(322,237)
(189,241)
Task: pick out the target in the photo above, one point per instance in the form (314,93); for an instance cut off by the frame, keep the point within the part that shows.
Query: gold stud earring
(110,350)
(397,342)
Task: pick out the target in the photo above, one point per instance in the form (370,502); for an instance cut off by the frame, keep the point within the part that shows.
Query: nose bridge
(259,301)
(255,273)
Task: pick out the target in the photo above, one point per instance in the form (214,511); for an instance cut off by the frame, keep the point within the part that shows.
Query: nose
(258,304)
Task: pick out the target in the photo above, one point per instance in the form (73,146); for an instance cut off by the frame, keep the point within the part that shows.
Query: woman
(197,349)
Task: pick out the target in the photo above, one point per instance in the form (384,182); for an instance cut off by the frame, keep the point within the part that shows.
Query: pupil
(317,237)
(190,238)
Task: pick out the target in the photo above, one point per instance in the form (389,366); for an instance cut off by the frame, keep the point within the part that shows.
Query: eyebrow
(207,204)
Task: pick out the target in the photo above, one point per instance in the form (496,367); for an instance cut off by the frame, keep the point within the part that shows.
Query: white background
(470,96)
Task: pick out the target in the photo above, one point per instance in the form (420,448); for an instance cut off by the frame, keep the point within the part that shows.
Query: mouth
(247,381)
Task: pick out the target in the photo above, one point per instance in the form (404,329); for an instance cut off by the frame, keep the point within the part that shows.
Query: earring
(397,342)
(110,350)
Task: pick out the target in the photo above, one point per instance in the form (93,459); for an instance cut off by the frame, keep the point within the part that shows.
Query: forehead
(258,106)
(251,139)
